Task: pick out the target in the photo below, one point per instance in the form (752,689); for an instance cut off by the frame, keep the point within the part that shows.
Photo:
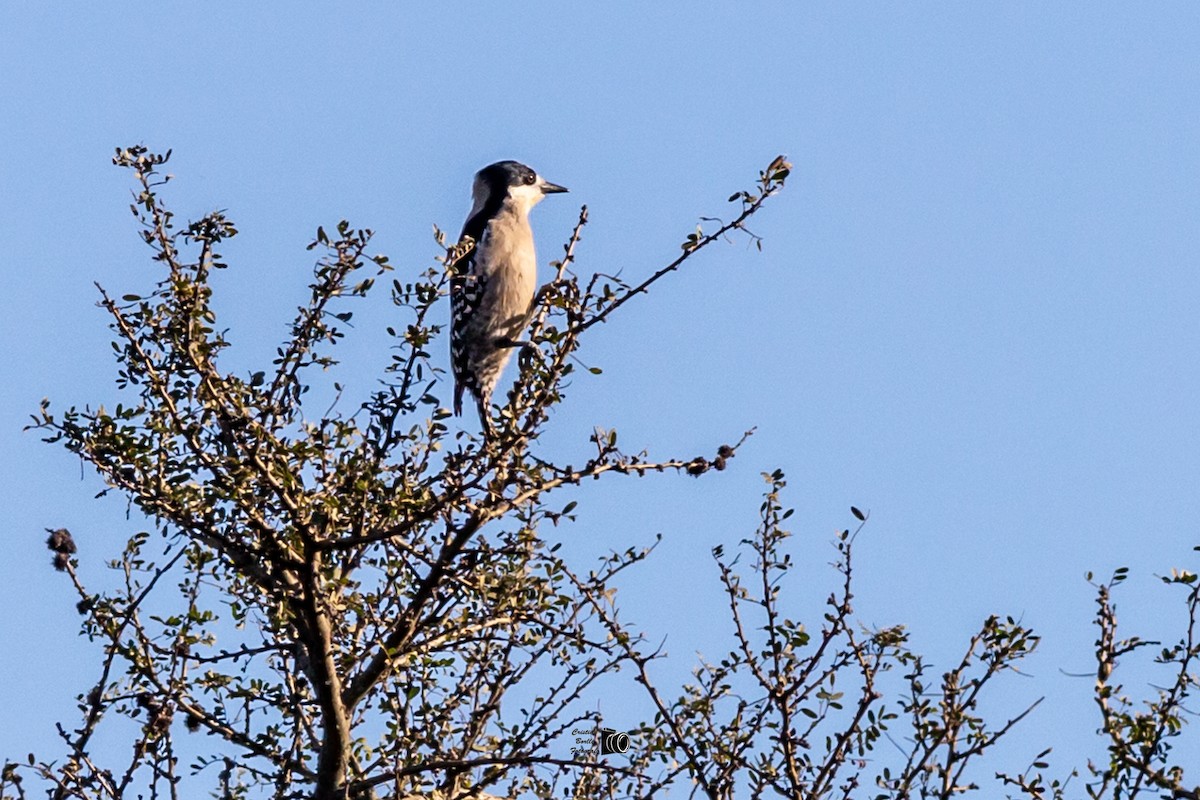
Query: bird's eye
(530,177)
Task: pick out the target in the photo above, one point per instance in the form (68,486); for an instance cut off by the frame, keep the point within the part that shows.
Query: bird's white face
(524,197)
(527,195)
(520,197)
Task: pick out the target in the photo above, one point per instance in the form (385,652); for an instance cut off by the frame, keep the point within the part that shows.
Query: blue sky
(974,313)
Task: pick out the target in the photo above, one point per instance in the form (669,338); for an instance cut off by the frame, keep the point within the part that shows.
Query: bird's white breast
(508,262)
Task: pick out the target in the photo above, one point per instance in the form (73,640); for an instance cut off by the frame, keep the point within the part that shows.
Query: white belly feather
(507,264)
(509,269)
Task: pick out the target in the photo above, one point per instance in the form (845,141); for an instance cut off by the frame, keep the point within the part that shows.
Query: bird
(492,285)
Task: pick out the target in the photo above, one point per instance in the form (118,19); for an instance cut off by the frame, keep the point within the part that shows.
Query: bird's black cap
(514,173)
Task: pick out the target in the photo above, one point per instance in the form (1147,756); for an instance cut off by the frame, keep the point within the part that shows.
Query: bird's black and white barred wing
(467,285)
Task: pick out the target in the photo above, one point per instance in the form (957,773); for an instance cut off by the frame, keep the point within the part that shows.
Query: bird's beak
(552,188)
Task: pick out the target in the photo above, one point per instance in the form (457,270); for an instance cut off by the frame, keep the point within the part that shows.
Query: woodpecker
(492,286)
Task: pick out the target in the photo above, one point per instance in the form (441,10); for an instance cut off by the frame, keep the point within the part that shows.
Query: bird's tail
(458,393)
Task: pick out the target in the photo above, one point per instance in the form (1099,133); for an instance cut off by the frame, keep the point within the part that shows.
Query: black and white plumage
(493,285)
